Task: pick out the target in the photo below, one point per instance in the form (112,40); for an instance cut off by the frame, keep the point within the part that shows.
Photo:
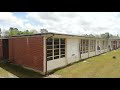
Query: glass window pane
(56,53)
(57,50)
(83,48)
(49,58)
(83,42)
(56,46)
(62,41)
(62,46)
(86,48)
(62,56)
(49,41)
(56,57)
(49,47)
(62,50)
(49,54)
(49,51)
(56,41)
(86,42)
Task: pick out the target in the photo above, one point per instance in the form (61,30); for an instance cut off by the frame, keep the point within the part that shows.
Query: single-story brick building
(47,51)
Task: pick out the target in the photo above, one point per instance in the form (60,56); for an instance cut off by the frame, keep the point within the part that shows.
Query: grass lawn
(13,71)
(102,66)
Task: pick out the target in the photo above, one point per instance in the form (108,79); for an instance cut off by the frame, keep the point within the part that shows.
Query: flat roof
(49,33)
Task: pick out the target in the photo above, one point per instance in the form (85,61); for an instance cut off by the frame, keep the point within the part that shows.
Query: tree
(108,35)
(86,35)
(20,33)
(105,35)
(14,31)
(43,30)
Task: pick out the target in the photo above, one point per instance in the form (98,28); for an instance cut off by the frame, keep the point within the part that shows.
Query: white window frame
(53,48)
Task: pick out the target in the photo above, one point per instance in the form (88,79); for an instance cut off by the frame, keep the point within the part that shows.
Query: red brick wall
(1,53)
(27,51)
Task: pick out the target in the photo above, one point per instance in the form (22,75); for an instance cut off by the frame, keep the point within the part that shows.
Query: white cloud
(78,22)
(7,19)
(65,22)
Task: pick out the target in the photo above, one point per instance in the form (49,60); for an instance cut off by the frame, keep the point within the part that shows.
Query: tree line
(106,35)
(14,31)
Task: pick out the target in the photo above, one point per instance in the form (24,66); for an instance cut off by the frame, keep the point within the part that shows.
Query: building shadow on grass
(20,72)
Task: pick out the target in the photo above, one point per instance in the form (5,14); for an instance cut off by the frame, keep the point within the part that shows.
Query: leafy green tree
(14,31)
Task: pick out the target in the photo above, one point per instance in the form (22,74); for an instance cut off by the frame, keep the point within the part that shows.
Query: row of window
(104,45)
(84,46)
(114,44)
(55,48)
(92,45)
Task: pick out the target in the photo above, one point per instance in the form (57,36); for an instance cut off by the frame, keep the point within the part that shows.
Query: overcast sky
(63,22)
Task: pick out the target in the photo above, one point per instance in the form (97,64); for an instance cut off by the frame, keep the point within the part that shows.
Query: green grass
(8,70)
(103,66)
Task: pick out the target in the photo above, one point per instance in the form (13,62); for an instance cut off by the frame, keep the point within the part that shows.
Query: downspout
(46,54)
